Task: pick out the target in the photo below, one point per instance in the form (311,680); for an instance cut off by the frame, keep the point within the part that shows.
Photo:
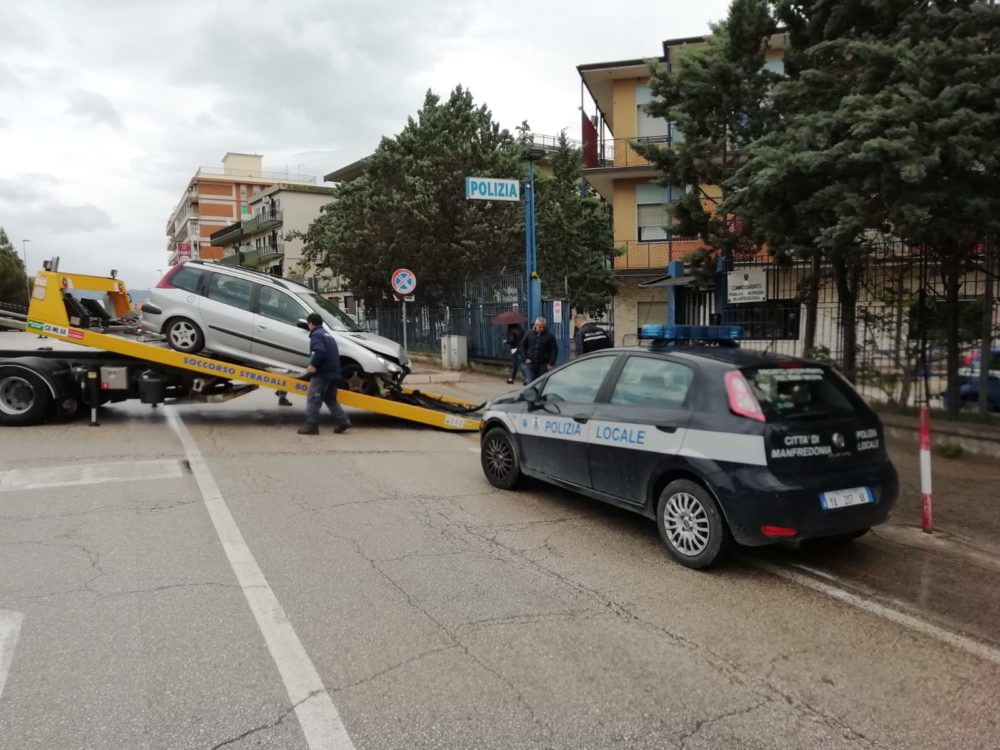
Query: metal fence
(482,300)
(892,335)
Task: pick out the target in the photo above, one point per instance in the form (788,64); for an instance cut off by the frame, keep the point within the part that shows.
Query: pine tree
(715,96)
(575,247)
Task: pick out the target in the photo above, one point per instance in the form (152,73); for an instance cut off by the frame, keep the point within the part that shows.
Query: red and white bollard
(927,517)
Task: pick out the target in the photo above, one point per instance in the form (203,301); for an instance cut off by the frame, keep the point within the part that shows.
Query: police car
(716,443)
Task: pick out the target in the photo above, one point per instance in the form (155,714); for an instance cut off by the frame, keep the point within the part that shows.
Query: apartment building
(265,240)
(613,99)
(216,197)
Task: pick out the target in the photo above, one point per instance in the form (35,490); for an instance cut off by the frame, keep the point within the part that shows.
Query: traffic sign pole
(403,302)
(404,283)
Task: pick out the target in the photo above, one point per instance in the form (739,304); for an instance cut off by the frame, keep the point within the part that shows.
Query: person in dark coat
(513,341)
(589,336)
(324,367)
(539,350)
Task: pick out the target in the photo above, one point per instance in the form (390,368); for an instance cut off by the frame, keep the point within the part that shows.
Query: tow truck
(97,353)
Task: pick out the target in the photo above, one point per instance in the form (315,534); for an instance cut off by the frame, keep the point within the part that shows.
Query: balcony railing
(641,256)
(256,174)
(262,221)
(618,152)
(253,258)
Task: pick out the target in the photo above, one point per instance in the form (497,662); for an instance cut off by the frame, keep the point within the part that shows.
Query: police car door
(641,426)
(554,437)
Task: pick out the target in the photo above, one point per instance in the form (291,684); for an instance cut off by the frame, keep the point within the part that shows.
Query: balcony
(262,221)
(227,235)
(654,256)
(255,258)
(614,158)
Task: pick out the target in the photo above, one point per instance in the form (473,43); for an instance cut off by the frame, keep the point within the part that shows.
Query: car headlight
(388,364)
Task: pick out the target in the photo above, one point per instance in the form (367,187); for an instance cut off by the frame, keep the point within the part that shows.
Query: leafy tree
(575,247)
(408,207)
(13,281)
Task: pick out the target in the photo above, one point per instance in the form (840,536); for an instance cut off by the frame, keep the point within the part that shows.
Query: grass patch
(950,450)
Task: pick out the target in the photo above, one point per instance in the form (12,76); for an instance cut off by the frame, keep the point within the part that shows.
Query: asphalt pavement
(224,582)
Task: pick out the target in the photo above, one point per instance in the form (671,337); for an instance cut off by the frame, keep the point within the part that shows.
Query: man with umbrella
(512,340)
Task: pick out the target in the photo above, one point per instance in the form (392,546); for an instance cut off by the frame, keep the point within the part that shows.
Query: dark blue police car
(717,443)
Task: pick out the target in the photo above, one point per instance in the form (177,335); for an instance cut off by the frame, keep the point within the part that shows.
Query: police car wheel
(690,524)
(499,459)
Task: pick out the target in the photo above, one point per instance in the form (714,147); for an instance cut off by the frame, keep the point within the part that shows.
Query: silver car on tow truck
(259,319)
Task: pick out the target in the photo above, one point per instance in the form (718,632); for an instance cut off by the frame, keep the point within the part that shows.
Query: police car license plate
(845,498)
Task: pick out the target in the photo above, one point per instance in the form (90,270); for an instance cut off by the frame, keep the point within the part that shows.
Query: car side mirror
(532,395)
(301,323)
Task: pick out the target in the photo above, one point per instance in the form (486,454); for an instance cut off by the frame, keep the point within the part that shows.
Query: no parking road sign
(404,281)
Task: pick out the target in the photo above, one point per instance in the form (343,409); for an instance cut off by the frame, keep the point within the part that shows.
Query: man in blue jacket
(539,350)
(324,366)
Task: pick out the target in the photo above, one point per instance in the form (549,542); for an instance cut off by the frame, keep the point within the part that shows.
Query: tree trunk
(899,344)
(846,278)
(812,304)
(951,273)
(986,332)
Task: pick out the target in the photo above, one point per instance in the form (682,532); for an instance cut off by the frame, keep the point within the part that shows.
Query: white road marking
(474,449)
(314,708)
(65,476)
(10,628)
(956,640)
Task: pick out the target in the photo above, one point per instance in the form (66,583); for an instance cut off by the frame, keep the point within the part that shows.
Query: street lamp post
(27,277)
(533,283)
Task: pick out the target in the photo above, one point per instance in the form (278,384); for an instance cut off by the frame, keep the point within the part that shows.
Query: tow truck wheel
(691,524)
(499,459)
(184,335)
(356,379)
(25,398)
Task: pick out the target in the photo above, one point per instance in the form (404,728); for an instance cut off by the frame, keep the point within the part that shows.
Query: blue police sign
(492,189)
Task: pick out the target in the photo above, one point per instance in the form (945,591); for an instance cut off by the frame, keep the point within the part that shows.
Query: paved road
(435,612)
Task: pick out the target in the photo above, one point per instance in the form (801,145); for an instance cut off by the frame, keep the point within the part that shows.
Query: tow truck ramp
(118,363)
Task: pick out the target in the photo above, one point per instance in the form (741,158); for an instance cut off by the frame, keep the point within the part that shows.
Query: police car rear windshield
(801,393)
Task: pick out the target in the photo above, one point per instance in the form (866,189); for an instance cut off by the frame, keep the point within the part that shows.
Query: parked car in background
(968,381)
(259,319)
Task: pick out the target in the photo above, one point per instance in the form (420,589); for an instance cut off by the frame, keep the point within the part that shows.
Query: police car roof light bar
(671,333)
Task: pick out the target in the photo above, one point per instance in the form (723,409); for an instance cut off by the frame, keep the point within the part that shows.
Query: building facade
(613,99)
(216,197)
(267,239)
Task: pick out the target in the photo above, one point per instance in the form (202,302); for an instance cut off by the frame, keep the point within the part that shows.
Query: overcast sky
(107,107)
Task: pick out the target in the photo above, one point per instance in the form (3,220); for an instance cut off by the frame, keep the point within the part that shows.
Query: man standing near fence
(539,350)
(589,336)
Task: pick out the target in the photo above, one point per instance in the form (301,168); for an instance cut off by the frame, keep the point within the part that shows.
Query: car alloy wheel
(184,336)
(499,459)
(686,523)
(691,524)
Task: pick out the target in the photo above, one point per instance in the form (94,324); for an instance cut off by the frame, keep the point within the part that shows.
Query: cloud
(19,30)
(31,199)
(95,107)
(312,85)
